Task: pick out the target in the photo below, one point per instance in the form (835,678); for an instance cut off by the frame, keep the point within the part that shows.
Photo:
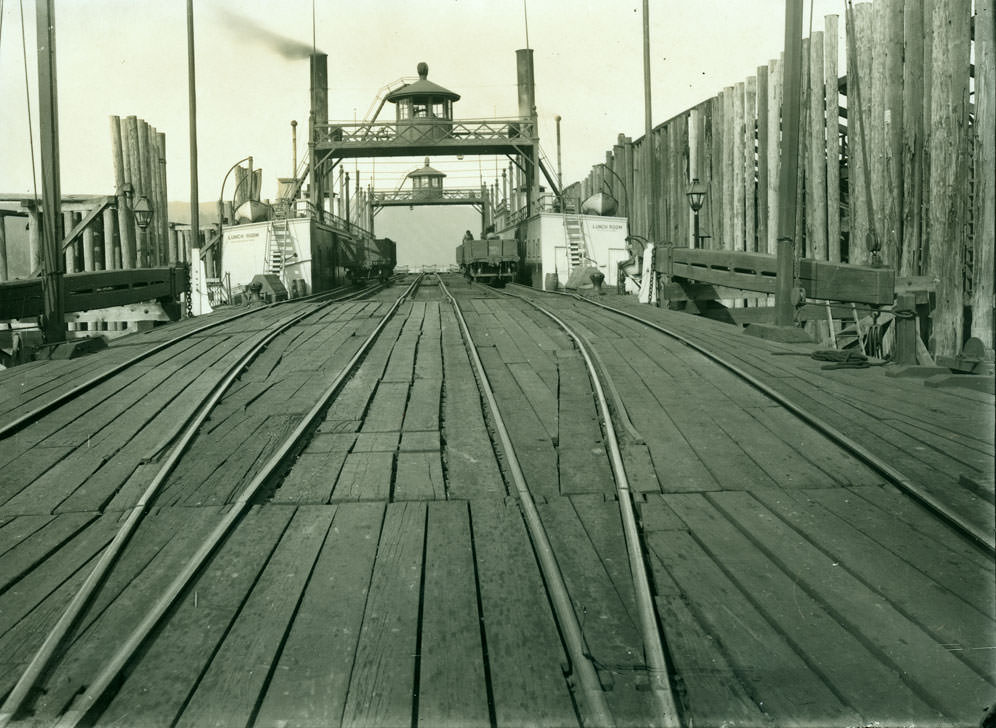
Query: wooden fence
(896,158)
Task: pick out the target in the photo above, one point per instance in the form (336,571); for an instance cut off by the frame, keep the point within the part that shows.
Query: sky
(129,57)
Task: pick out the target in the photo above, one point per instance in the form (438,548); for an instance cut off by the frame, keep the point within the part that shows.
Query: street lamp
(143,212)
(696,196)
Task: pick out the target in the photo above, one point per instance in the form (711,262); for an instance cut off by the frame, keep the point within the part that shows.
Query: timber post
(53,323)
(784,313)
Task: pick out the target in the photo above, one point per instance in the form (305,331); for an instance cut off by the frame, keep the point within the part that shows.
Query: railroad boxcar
(372,258)
(492,259)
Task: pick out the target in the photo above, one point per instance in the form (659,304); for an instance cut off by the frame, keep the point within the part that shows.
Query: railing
(98,289)
(404,197)
(749,271)
(415,131)
(304,208)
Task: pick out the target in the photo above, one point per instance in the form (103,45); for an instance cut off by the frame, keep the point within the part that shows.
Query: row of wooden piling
(896,156)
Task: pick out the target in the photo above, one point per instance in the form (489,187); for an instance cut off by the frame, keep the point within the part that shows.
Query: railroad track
(363,556)
(981,537)
(99,658)
(780,546)
(16,419)
(177,447)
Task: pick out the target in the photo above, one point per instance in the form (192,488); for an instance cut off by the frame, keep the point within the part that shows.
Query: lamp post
(696,196)
(142,211)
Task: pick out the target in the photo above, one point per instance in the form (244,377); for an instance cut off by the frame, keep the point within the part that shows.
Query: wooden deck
(387,579)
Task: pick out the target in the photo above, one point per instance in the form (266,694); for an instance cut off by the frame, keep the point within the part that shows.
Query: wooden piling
(750,173)
(716,199)
(799,235)
(737,163)
(762,159)
(125,224)
(146,236)
(694,137)
(4,273)
(859,61)
(985,172)
(70,252)
(34,240)
(948,170)
(133,175)
(832,101)
(89,261)
(157,244)
(111,244)
(707,216)
(816,169)
(913,158)
(892,198)
(729,127)
(164,197)
(876,94)
(905,353)
(928,54)
(774,150)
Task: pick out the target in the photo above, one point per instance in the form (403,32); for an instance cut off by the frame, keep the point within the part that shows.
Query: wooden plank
(761,657)
(533,445)
(39,538)
(604,611)
(452,686)
(933,678)
(711,692)
(419,477)
(582,455)
(312,478)
(381,692)
(525,655)
(387,410)
(364,476)
(422,410)
(145,568)
(310,681)
(470,462)
(188,637)
(228,691)
(955,619)
(15,529)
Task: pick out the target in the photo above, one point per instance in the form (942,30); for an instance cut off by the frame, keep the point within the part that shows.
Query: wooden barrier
(888,155)
(746,271)
(84,291)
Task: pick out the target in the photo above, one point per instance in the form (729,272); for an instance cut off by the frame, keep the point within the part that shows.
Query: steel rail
(980,538)
(85,702)
(657,664)
(598,713)
(19,423)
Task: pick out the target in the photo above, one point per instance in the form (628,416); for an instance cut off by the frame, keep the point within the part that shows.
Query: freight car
(371,258)
(492,259)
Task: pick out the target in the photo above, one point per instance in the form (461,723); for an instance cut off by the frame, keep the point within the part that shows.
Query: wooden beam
(53,322)
(949,170)
(82,224)
(985,175)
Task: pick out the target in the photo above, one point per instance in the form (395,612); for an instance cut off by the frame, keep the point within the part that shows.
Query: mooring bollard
(596,280)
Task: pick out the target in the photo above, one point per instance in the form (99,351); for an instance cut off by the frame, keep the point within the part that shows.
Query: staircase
(279,247)
(577,247)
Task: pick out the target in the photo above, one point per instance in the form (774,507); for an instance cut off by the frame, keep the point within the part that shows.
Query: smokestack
(527,86)
(319,88)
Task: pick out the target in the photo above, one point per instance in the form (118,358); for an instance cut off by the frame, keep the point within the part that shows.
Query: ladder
(577,248)
(279,247)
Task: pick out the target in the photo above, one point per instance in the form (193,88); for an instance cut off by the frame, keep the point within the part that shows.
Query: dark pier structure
(422,500)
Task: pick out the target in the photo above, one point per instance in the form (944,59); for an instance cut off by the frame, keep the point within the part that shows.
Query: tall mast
(54,319)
